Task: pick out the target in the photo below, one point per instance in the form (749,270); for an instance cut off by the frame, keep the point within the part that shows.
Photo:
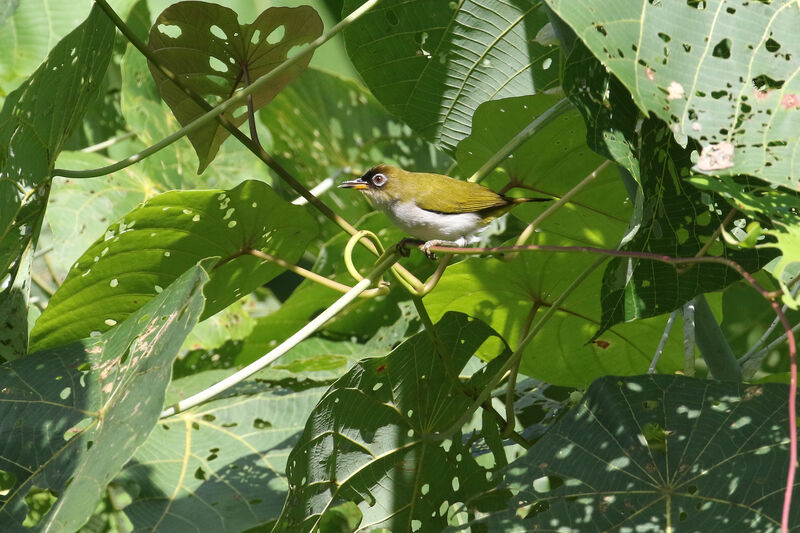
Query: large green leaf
(155,243)
(381,437)
(229,454)
(504,294)
(72,417)
(722,72)
(205,45)
(432,62)
(657,453)
(678,221)
(35,121)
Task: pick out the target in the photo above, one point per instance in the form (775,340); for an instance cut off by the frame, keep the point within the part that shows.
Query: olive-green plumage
(433,207)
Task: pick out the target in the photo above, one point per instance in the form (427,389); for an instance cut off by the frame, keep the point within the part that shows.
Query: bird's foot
(426,248)
(403,246)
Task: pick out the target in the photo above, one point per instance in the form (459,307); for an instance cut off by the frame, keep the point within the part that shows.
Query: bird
(434,208)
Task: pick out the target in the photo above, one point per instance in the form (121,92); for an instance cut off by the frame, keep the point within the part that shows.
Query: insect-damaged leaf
(212,53)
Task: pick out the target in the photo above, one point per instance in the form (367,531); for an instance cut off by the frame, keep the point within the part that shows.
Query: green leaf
(79,210)
(214,55)
(375,438)
(7,9)
(649,451)
(723,73)
(155,243)
(86,407)
(34,123)
(433,70)
(678,221)
(231,453)
(710,339)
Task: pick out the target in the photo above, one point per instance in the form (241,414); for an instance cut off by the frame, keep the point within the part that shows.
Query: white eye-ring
(379,180)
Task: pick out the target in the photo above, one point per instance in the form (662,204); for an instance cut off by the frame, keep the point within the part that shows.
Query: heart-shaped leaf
(211,52)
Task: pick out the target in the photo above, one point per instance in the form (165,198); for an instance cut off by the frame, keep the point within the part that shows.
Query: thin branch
(511,384)
(688,337)
(108,143)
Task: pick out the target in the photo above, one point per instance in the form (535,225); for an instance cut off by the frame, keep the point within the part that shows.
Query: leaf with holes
(155,243)
(382,437)
(230,452)
(85,408)
(35,122)
(722,72)
(432,62)
(654,452)
(678,221)
(214,55)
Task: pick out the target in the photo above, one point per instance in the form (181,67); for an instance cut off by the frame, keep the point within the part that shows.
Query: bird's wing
(464,197)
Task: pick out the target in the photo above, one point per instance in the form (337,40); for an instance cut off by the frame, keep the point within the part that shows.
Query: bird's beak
(357,183)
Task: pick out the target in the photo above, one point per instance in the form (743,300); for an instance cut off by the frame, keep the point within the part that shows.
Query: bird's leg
(402,246)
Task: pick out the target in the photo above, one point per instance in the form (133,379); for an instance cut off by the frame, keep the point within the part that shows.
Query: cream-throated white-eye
(437,209)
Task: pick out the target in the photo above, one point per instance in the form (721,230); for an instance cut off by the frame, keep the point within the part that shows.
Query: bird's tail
(526,200)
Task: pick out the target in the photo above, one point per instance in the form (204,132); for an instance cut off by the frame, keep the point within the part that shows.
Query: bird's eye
(379,180)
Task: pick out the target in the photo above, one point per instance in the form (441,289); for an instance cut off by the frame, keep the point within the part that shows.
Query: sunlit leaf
(86,407)
(723,73)
(155,243)
(432,62)
(213,54)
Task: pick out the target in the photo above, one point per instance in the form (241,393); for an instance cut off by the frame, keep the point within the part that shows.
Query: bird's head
(383,184)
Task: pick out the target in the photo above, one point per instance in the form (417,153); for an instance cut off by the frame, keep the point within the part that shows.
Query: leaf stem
(317,278)
(383,263)
(511,384)
(526,133)
(662,342)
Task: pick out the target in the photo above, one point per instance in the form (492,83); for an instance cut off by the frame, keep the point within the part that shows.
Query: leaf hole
(391,18)
(696,4)
(217,65)
(256,38)
(723,49)
(218,32)
(170,30)
(601,30)
(664,37)
(200,474)
(276,35)
(772,45)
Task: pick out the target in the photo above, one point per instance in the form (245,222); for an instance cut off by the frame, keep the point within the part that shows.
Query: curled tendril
(348,251)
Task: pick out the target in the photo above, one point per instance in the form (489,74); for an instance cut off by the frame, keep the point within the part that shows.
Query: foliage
(662,130)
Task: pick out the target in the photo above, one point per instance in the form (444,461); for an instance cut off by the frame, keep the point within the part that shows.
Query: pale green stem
(233,101)
(317,278)
(542,120)
(383,264)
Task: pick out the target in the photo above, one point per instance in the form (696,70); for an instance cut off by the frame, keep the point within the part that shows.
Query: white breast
(427,225)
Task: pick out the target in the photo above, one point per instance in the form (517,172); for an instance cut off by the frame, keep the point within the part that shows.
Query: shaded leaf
(230,454)
(649,451)
(34,123)
(155,243)
(433,70)
(678,221)
(86,407)
(205,45)
(721,72)
(375,438)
